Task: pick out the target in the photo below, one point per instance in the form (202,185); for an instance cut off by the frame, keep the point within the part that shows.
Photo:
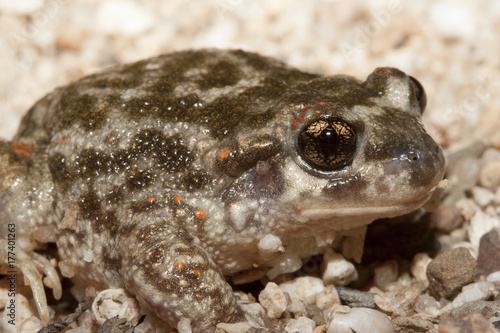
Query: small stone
(23,311)
(31,324)
(398,302)
(489,248)
(493,277)
(305,287)
(184,325)
(480,224)
(344,319)
(414,324)
(450,271)
(489,176)
(111,303)
(446,218)
(273,300)
(419,267)
(320,329)
(297,307)
(300,325)
(475,323)
(427,304)
(316,314)
(337,270)
(386,273)
(470,293)
(487,308)
(256,315)
(467,207)
(356,298)
(328,298)
(482,196)
(489,163)
(497,197)
(269,246)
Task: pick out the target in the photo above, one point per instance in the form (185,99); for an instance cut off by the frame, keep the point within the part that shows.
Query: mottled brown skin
(163,175)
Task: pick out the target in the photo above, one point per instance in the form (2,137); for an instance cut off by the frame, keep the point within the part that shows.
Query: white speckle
(89,256)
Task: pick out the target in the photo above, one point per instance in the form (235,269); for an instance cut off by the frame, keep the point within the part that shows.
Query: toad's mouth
(322,210)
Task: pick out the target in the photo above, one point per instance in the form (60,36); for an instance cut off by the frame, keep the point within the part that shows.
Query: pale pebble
(269,246)
(184,325)
(403,280)
(483,196)
(386,273)
(32,324)
(489,176)
(297,307)
(399,302)
(427,304)
(328,299)
(337,270)
(273,300)
(255,314)
(305,287)
(493,277)
(23,311)
(467,207)
(300,325)
(110,303)
(419,267)
(320,329)
(470,293)
(343,319)
(480,224)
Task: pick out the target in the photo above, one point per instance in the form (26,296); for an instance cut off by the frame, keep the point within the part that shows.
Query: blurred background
(451,47)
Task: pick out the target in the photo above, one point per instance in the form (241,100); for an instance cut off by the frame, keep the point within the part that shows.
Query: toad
(168,175)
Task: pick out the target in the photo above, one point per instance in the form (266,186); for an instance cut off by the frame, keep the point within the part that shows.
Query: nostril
(411,156)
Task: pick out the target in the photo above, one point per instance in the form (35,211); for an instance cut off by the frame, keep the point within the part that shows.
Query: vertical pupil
(329,141)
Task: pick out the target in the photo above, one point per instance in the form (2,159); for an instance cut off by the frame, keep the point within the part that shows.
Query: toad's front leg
(175,278)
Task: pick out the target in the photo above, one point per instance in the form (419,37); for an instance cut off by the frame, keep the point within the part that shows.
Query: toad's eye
(327,144)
